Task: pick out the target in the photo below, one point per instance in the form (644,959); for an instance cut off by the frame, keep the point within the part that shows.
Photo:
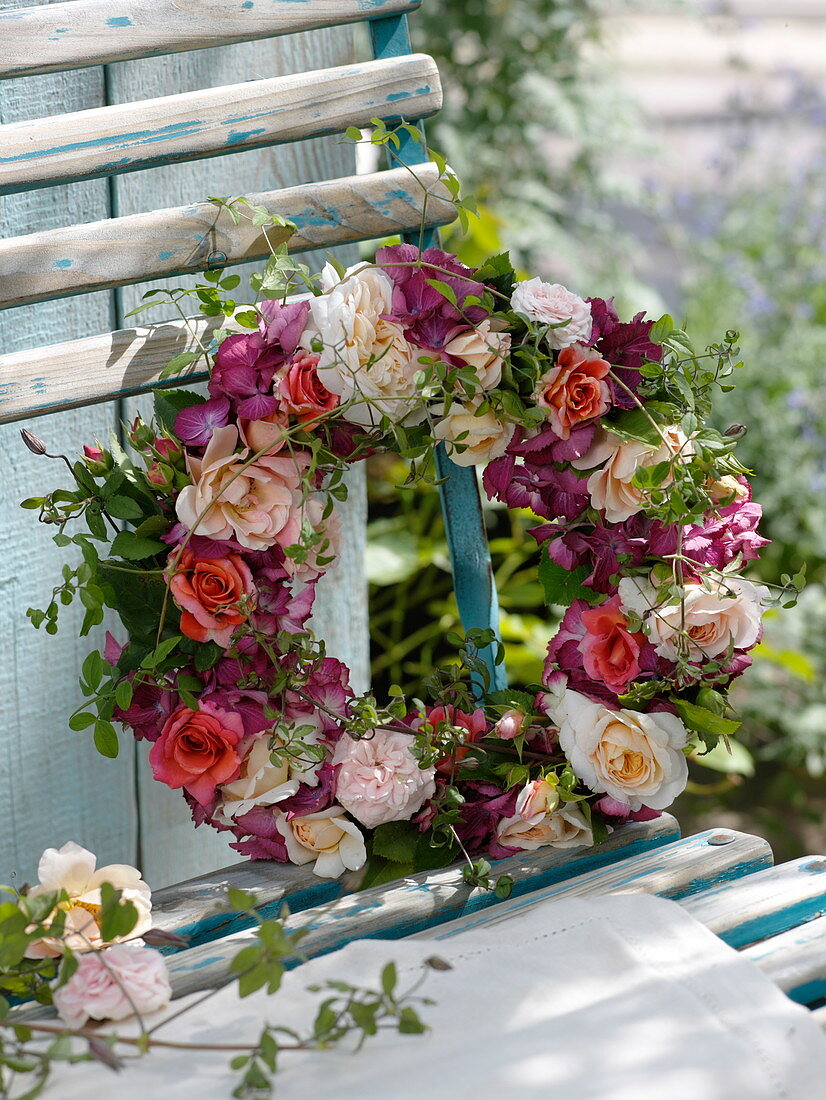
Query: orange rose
(209,592)
(573,391)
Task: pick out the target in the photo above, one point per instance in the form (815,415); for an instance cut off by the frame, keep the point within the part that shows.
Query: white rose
(713,615)
(483,351)
(328,837)
(635,758)
(261,783)
(471,439)
(379,778)
(611,488)
(550,304)
(72,868)
(365,357)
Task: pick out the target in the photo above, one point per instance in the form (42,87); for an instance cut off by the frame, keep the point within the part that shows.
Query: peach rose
(635,758)
(198,749)
(471,439)
(539,820)
(267,434)
(209,593)
(714,614)
(483,350)
(258,506)
(328,837)
(611,488)
(574,390)
(610,651)
(302,391)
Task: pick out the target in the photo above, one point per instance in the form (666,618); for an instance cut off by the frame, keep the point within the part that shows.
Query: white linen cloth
(607,998)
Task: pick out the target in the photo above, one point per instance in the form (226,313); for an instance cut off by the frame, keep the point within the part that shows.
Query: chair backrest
(107,142)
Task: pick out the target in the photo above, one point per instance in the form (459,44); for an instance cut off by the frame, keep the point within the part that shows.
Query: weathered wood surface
(676,871)
(422,902)
(125,250)
(764,904)
(95,32)
(170,849)
(93,369)
(795,960)
(53,785)
(197,908)
(214,122)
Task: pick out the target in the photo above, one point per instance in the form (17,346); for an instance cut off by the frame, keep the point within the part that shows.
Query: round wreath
(596,425)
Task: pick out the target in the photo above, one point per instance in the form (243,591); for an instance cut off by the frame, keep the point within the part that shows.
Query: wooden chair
(724,877)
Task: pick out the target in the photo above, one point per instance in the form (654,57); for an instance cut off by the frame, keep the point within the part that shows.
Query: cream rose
(72,868)
(261,783)
(328,837)
(471,439)
(715,613)
(635,758)
(483,350)
(540,821)
(611,488)
(258,506)
(365,357)
(553,304)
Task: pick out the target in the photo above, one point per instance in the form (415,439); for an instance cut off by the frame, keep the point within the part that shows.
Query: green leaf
(445,289)
(516,700)
(82,721)
(704,721)
(123,694)
(106,740)
(563,586)
(389,978)
(123,508)
(132,547)
(396,841)
(730,757)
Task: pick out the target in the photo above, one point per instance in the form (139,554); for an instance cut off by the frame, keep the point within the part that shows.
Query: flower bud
(160,475)
(33,442)
(97,460)
(510,724)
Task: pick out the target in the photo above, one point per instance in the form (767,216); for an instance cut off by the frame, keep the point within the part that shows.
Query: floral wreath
(596,425)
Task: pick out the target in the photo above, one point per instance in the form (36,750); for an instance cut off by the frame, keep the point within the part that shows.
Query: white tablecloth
(611,998)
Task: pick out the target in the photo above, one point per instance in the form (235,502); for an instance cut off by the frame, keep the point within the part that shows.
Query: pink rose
(257,505)
(302,391)
(574,390)
(510,725)
(209,593)
(554,305)
(198,750)
(610,651)
(380,779)
(113,984)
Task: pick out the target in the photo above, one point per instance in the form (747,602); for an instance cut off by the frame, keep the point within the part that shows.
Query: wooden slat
(425,901)
(194,908)
(214,122)
(764,904)
(795,960)
(676,871)
(119,251)
(96,32)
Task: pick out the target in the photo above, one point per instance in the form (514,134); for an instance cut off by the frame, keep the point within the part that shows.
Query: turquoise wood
(197,908)
(473,582)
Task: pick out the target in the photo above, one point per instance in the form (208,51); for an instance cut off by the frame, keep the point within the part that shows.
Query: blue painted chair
(725,878)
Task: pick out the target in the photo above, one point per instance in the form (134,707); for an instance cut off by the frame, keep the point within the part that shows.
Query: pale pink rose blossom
(539,820)
(379,778)
(510,724)
(550,304)
(113,984)
(258,506)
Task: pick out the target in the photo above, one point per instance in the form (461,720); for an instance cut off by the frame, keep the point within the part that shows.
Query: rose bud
(160,475)
(97,460)
(509,725)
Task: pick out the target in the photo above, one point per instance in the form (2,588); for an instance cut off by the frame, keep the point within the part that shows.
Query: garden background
(672,154)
